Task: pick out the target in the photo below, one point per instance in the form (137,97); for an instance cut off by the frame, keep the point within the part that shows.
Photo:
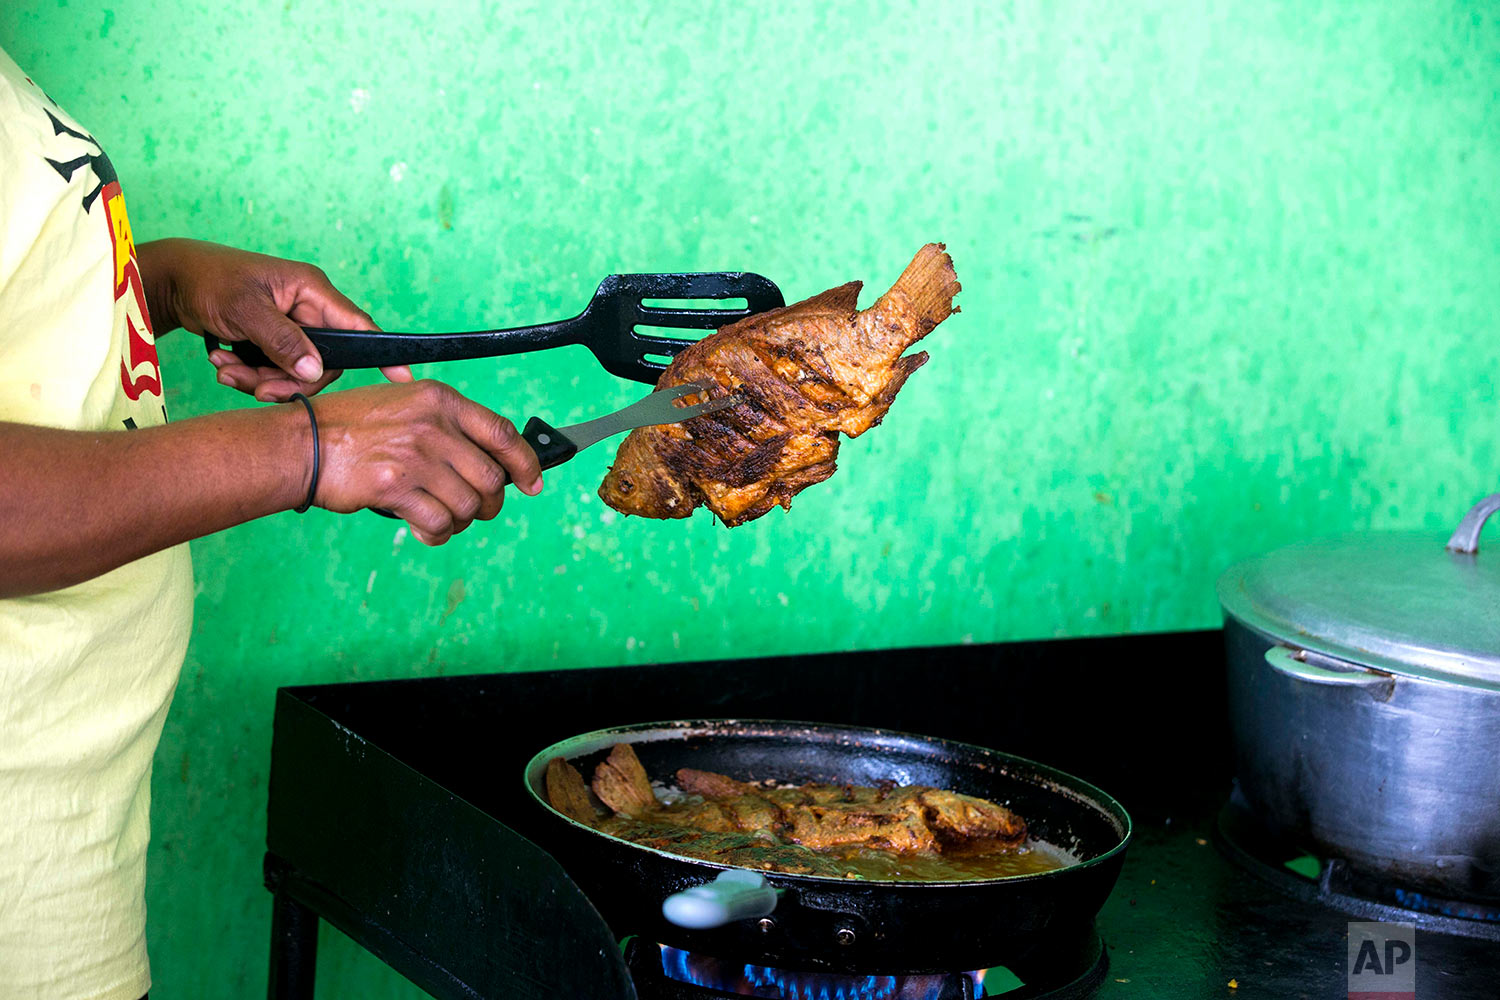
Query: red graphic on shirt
(140,372)
(142,352)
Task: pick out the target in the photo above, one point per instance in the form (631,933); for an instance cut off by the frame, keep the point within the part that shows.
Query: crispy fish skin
(735,804)
(955,817)
(894,824)
(711,785)
(805,373)
(910,818)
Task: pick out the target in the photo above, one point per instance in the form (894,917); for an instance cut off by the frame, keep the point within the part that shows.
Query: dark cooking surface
(1205,922)
(1141,717)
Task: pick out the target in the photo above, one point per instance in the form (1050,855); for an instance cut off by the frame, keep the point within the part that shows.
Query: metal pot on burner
(1364,692)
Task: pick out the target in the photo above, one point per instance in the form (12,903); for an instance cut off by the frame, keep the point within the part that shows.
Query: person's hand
(421,451)
(238,295)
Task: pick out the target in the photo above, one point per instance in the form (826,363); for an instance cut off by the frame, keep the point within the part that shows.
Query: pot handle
(736,894)
(1293,663)
(1466,538)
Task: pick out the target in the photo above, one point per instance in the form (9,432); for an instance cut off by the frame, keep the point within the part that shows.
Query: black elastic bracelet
(317,456)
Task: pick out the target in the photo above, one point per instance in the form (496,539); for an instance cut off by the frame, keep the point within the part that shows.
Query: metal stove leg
(294,950)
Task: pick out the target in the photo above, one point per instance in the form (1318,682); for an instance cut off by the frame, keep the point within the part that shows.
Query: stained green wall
(1230,278)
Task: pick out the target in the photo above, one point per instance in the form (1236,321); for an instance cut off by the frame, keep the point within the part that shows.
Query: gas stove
(396,813)
(1329,882)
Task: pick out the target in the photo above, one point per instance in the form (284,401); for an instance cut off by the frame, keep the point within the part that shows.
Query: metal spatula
(554,445)
(608,326)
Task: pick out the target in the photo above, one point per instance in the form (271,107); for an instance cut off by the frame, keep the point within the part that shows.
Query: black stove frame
(396,812)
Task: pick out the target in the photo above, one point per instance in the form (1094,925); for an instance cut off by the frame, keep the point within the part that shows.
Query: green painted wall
(1230,278)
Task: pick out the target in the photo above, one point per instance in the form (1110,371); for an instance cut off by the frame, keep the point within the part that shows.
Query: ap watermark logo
(1382,961)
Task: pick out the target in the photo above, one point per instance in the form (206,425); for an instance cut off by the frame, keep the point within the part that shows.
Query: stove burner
(1071,969)
(1329,881)
(741,979)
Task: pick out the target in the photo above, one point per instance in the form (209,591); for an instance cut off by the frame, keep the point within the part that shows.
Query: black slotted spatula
(608,326)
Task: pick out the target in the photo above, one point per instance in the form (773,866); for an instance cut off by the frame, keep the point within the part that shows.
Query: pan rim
(1089,794)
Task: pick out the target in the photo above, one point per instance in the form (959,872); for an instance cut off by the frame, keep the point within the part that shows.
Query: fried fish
(843,831)
(804,373)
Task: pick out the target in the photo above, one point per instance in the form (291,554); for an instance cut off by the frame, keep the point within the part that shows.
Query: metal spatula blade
(556,445)
(609,326)
(661,407)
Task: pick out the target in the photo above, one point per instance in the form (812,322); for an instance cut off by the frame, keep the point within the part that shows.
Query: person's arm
(76,504)
(239,295)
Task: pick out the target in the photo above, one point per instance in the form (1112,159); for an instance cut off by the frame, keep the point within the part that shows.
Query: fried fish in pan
(843,831)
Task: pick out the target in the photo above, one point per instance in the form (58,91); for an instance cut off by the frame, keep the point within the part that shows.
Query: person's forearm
(158,261)
(76,504)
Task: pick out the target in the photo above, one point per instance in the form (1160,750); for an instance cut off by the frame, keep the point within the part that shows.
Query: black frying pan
(849,925)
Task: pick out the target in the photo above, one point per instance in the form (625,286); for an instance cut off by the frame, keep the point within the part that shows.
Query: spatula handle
(378,349)
(551,447)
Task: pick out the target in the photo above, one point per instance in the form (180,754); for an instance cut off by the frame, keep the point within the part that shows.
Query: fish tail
(930,283)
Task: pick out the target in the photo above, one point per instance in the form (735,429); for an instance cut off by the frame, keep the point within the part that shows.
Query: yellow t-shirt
(86,673)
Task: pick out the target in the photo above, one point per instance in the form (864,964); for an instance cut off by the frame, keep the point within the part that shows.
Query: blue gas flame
(1420,901)
(781,984)
(819,986)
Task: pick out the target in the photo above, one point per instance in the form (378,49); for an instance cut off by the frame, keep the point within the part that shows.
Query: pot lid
(1402,602)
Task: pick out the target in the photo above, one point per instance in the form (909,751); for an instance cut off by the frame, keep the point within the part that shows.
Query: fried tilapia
(843,831)
(804,373)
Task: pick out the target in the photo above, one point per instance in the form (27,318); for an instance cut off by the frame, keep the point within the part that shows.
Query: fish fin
(621,783)
(567,792)
(842,301)
(856,422)
(930,284)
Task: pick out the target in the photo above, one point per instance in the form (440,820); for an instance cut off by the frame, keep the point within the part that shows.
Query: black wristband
(317,456)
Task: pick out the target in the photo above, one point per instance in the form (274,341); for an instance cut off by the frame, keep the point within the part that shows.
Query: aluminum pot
(1364,697)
